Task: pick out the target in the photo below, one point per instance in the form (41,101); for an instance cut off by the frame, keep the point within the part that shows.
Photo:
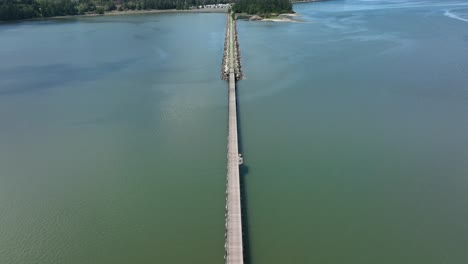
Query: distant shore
(151,11)
(278,18)
(286,17)
(127,12)
(306,1)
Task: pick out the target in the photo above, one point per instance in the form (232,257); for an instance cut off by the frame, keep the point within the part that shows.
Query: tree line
(264,7)
(24,9)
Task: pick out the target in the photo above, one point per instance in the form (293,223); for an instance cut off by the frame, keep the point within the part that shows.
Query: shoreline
(286,17)
(140,12)
(127,12)
(280,18)
(306,1)
(156,11)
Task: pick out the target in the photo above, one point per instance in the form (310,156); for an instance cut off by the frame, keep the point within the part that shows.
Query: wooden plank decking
(233,244)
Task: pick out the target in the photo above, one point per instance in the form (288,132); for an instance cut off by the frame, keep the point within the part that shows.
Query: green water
(353,128)
(113,140)
(355,134)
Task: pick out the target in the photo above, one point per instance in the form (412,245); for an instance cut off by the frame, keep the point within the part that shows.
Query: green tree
(100,10)
(111,6)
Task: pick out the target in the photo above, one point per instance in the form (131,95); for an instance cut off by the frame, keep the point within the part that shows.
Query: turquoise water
(113,140)
(354,133)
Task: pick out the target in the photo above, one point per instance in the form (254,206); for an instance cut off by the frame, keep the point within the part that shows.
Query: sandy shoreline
(127,12)
(284,18)
(306,1)
(155,11)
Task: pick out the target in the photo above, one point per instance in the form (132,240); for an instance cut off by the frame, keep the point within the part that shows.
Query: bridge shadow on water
(243,171)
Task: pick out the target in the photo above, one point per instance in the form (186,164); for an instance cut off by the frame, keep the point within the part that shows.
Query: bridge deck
(233,244)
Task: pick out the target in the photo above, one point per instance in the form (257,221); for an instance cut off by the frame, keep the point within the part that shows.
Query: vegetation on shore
(25,9)
(263,7)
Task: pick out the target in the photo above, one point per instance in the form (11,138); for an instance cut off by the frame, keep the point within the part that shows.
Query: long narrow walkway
(233,245)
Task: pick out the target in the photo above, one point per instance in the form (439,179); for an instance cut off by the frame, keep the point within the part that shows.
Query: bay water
(113,140)
(355,134)
(352,126)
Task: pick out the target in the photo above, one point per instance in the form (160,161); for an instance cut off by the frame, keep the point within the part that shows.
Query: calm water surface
(354,130)
(353,125)
(112,140)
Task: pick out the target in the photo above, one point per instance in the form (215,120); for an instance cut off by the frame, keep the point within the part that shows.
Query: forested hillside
(263,6)
(23,9)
